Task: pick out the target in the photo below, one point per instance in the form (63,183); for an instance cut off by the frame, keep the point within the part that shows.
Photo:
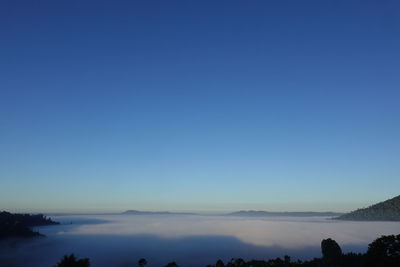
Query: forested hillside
(388,210)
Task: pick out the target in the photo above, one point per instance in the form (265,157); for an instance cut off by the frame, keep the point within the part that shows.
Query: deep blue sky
(199,105)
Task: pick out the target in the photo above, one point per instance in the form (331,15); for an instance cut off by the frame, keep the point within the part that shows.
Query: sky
(198,105)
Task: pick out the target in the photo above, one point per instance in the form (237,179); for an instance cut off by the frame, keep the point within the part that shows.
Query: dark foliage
(220,263)
(172,264)
(18,225)
(384,251)
(72,261)
(331,251)
(142,262)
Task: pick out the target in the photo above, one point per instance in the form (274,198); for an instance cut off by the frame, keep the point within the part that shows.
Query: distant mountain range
(257,213)
(137,212)
(388,210)
(243,213)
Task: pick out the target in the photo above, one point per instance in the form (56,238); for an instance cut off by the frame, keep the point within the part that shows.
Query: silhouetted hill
(19,225)
(388,210)
(258,213)
(137,212)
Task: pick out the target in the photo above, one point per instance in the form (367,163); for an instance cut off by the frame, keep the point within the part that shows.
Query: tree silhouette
(220,263)
(286,258)
(72,261)
(384,251)
(171,264)
(236,262)
(142,262)
(331,251)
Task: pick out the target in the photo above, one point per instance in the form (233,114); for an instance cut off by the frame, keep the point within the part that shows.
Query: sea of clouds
(190,240)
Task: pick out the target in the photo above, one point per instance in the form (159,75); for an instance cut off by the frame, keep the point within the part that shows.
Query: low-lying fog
(190,240)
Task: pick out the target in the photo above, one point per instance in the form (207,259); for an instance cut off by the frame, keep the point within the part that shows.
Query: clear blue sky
(198,105)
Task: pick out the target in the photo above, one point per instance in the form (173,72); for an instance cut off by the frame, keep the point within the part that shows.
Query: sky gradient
(198,105)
